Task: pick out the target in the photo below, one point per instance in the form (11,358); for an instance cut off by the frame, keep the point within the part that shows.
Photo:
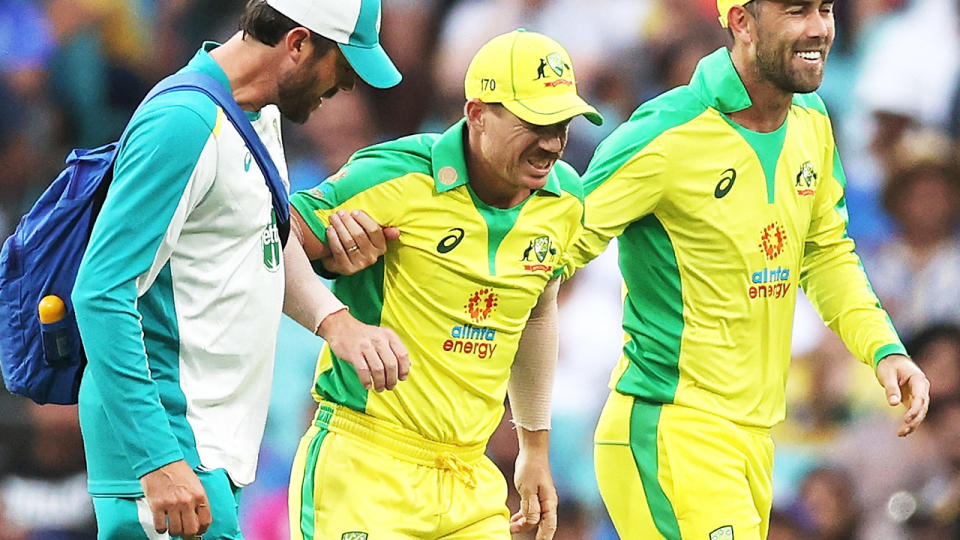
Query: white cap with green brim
(355,26)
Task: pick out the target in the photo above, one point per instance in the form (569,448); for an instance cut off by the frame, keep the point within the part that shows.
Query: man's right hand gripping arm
(331,231)
(377,354)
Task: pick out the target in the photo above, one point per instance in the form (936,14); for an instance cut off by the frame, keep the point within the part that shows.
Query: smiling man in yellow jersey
(486,213)
(726,195)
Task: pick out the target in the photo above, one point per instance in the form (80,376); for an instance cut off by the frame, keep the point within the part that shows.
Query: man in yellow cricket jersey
(486,213)
(726,195)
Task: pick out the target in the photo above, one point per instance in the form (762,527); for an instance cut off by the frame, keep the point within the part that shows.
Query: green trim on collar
(448,153)
(500,221)
(767,146)
(450,163)
(553,183)
(718,85)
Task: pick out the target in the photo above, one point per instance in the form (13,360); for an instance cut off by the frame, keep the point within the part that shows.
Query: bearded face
(793,43)
(302,90)
(299,94)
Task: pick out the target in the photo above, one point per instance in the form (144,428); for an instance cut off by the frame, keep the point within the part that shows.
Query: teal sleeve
(152,175)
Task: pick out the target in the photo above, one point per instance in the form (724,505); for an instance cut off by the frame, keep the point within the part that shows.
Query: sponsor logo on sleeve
(342,173)
(325,187)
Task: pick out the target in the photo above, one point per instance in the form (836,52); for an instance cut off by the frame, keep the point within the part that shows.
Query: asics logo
(447,243)
(725,184)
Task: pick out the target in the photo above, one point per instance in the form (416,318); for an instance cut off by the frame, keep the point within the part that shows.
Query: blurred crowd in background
(72,71)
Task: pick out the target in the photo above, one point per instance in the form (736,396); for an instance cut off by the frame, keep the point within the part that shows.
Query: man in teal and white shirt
(179,295)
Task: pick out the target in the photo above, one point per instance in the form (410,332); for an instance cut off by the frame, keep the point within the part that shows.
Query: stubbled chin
(535,182)
(536,177)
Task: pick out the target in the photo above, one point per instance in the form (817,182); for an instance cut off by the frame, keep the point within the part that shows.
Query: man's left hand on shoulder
(905,383)
(538,496)
(355,241)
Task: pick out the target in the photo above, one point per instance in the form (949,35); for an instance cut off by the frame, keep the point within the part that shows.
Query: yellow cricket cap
(723,6)
(529,74)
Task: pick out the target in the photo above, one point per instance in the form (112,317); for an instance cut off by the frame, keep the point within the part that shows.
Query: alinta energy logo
(481,304)
(770,282)
(471,339)
(772,240)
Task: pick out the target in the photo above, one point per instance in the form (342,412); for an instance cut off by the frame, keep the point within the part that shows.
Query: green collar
(450,165)
(204,63)
(718,85)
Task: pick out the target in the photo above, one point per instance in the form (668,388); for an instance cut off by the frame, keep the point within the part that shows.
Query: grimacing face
(794,39)
(522,154)
(303,89)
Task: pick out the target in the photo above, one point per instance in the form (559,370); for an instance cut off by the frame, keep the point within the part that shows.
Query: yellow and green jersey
(457,287)
(718,226)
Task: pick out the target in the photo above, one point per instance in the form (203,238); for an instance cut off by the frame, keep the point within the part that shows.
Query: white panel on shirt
(227,271)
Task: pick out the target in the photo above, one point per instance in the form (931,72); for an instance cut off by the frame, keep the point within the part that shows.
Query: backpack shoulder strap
(212,88)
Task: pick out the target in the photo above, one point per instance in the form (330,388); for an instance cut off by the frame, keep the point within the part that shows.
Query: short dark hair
(268,26)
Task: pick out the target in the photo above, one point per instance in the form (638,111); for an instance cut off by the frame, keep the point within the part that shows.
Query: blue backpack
(39,262)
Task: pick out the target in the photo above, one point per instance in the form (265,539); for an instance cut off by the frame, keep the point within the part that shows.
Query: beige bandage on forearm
(306,299)
(531,378)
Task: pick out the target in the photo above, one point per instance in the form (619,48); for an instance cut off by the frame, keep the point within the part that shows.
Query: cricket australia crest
(723,533)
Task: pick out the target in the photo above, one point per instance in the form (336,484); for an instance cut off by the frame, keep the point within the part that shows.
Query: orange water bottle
(55,329)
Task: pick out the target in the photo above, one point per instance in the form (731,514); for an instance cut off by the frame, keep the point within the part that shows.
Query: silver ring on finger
(353,248)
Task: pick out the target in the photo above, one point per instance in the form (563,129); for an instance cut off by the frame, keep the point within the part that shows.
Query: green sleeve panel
(625,179)
(370,181)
